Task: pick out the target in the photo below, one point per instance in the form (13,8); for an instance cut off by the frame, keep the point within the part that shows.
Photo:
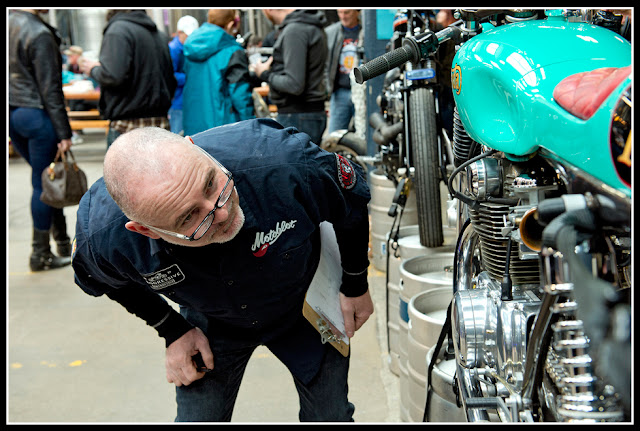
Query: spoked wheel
(424,144)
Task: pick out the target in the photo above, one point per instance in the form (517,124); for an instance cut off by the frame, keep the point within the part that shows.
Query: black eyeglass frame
(219,204)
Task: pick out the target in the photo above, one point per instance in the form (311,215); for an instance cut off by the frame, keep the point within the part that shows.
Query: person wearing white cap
(186,25)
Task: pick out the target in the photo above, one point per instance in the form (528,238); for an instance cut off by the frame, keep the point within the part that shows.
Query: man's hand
(181,369)
(261,67)
(355,311)
(86,65)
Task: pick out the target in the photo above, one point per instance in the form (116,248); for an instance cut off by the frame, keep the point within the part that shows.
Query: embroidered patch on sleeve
(346,174)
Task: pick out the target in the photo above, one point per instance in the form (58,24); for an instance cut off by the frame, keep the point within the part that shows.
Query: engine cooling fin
(489,220)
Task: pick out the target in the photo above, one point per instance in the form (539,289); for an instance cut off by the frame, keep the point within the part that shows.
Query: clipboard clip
(326,333)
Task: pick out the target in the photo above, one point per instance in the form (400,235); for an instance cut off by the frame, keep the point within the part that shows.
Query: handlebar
(386,62)
(413,49)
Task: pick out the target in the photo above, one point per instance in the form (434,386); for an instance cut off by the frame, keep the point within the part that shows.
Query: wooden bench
(91,114)
(90,119)
(89,124)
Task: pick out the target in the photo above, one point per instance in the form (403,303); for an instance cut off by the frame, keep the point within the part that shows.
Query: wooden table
(91,119)
(263,91)
(87,95)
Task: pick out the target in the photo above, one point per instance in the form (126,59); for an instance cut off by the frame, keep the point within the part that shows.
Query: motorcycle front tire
(424,145)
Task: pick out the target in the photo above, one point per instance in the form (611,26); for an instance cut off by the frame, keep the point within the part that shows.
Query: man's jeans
(212,398)
(311,123)
(341,110)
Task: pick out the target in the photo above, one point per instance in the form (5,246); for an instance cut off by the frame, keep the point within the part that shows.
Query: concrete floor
(73,358)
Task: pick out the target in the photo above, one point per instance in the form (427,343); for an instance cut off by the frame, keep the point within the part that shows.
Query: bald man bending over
(226,224)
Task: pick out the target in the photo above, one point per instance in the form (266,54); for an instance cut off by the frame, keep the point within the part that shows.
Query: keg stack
(405,246)
(425,292)
(382,192)
(419,289)
(442,399)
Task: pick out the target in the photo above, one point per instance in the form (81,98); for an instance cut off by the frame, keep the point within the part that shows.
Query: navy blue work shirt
(251,288)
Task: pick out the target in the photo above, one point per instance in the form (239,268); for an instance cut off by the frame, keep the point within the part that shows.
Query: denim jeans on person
(112,135)
(175,121)
(341,109)
(34,138)
(212,398)
(311,123)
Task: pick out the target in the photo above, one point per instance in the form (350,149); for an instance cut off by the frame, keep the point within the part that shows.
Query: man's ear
(134,226)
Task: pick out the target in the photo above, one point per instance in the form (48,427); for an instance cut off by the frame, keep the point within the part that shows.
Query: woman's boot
(42,258)
(59,233)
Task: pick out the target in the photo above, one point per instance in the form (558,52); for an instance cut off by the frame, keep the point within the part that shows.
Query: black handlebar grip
(383,64)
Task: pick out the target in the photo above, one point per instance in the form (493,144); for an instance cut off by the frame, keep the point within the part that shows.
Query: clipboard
(322,302)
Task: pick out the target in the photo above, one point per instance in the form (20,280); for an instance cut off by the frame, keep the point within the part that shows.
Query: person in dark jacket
(227,223)
(343,39)
(295,72)
(217,89)
(38,123)
(135,73)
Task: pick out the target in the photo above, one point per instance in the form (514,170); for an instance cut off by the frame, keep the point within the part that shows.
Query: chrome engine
(537,327)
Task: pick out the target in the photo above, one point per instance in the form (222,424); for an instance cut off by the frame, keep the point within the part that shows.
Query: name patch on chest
(165,277)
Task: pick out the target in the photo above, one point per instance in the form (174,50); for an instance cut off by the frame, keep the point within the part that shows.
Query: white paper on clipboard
(324,290)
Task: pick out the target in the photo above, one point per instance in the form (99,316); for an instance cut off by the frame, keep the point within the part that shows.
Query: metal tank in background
(86,27)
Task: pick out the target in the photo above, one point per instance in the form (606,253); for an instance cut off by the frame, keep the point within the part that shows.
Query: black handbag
(63,182)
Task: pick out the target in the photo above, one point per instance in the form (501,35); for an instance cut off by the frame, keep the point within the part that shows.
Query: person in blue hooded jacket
(186,25)
(216,89)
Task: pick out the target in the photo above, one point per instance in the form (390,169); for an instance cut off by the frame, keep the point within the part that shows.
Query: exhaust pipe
(384,133)
(531,230)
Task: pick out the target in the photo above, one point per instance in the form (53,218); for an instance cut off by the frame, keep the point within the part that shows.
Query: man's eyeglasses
(204,226)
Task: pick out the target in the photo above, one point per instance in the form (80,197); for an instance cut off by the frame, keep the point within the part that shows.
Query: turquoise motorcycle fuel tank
(503,82)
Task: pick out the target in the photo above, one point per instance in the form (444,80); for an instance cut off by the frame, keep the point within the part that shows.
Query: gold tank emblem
(456,84)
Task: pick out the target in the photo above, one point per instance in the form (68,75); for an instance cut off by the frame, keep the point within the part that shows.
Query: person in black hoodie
(38,123)
(295,72)
(135,73)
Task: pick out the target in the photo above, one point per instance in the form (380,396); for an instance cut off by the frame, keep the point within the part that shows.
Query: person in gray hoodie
(295,72)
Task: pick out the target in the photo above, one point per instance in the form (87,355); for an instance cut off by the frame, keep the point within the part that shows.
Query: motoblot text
(273,235)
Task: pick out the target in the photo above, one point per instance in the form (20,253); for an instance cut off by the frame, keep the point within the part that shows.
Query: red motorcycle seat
(583,93)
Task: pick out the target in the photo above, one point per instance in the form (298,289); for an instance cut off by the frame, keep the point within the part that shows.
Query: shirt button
(230,283)
(243,306)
